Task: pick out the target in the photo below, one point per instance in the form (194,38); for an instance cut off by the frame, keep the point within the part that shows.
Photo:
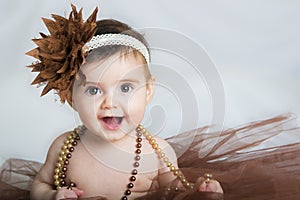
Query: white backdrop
(254,44)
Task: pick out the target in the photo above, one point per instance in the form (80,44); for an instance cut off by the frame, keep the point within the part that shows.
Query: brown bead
(137,157)
(69,155)
(132,178)
(139,139)
(72,184)
(138,145)
(66,162)
(130,185)
(138,151)
(139,134)
(134,172)
(77,137)
(64,169)
(136,164)
(63,176)
(124,198)
(74,143)
(71,149)
(63,183)
(127,192)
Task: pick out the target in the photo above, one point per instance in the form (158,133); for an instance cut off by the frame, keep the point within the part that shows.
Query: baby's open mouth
(111,123)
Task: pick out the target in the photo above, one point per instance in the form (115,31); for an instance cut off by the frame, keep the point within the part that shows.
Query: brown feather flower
(61,53)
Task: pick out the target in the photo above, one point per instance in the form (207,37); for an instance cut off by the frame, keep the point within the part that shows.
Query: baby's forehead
(116,67)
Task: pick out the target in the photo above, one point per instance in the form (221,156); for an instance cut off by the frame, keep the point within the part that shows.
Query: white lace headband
(117,39)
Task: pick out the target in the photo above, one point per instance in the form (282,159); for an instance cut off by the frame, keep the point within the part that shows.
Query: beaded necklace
(60,172)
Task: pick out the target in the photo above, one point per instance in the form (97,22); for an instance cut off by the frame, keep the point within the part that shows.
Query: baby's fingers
(68,193)
(77,191)
(211,186)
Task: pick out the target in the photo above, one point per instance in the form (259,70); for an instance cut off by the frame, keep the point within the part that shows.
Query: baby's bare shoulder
(58,143)
(166,148)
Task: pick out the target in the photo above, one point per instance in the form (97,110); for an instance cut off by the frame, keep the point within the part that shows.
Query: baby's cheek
(136,111)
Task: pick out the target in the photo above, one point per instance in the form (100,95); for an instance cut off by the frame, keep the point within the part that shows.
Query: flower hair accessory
(117,39)
(61,53)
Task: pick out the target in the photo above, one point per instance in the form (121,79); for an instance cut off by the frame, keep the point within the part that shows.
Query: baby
(103,74)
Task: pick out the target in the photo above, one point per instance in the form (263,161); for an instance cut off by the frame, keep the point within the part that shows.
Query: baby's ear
(150,89)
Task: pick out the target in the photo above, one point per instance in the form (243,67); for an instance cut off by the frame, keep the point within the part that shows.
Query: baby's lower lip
(111,123)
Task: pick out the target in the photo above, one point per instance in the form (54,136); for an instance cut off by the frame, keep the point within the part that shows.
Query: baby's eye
(126,87)
(92,91)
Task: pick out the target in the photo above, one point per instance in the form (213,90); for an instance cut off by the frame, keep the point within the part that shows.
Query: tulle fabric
(269,173)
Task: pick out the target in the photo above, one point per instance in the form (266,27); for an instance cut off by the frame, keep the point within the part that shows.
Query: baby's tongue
(112,122)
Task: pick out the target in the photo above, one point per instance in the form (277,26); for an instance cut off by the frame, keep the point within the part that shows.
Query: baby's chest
(100,178)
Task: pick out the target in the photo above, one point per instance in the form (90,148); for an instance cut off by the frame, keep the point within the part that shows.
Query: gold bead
(60,159)
(166,160)
(172,168)
(187,184)
(59,165)
(65,147)
(183,180)
(152,141)
(69,145)
(162,155)
(62,153)
(149,137)
(191,185)
(56,170)
(176,172)
(145,134)
(56,183)
(71,140)
(155,146)
(70,136)
(55,176)
(67,141)
(169,164)
(158,150)
(207,175)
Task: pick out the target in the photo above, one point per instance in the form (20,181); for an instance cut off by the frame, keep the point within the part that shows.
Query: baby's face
(113,99)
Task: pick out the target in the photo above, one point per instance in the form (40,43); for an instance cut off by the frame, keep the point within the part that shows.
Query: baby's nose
(108,102)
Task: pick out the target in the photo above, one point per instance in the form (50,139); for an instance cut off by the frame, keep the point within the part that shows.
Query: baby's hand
(65,193)
(209,185)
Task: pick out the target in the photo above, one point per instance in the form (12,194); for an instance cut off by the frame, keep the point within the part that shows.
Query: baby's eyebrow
(130,80)
(122,80)
(91,82)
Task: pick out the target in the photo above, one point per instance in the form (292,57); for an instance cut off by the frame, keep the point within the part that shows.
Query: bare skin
(99,178)
(102,162)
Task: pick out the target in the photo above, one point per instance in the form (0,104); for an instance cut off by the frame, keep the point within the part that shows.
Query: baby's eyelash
(126,87)
(92,91)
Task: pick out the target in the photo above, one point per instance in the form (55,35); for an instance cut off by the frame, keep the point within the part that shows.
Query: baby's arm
(42,187)
(168,179)
(165,177)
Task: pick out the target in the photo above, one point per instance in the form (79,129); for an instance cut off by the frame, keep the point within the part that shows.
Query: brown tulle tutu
(269,173)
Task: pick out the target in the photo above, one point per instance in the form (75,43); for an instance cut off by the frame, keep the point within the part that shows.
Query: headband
(117,39)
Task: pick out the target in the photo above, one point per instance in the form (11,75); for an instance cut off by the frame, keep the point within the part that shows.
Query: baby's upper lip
(106,116)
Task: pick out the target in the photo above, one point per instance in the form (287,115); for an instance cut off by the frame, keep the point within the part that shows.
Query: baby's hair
(111,26)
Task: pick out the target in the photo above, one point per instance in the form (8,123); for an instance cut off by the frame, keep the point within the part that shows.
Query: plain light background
(254,44)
